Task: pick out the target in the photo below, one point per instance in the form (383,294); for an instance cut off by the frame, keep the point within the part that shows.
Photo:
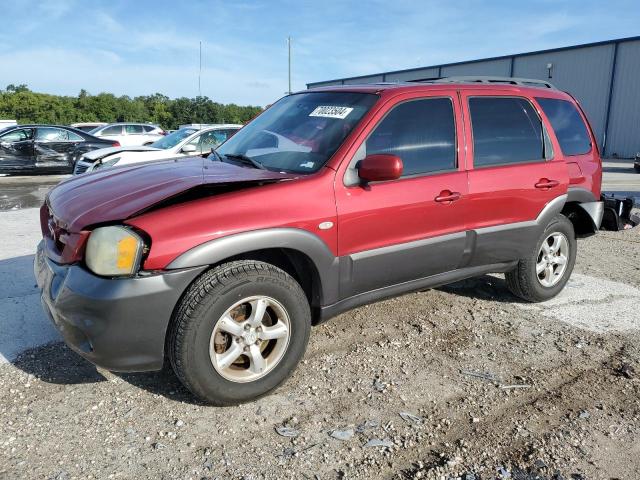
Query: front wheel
(239,332)
(545,272)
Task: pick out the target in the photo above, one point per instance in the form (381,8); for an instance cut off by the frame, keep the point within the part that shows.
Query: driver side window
(421,132)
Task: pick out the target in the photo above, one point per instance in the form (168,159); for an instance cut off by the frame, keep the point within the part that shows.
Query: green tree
(20,103)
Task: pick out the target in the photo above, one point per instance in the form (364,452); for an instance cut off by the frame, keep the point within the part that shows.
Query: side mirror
(380,167)
(189,149)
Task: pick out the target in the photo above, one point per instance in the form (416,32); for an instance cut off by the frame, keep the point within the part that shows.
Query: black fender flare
(591,205)
(216,251)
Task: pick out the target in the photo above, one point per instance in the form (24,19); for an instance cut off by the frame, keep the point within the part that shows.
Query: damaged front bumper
(116,323)
(616,213)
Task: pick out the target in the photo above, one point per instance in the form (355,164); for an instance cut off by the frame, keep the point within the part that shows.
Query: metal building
(603,76)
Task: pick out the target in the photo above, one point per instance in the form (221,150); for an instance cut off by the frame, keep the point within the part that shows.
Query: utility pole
(200,71)
(289,45)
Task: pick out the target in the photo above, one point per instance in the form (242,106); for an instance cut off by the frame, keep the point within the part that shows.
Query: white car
(181,143)
(88,126)
(129,134)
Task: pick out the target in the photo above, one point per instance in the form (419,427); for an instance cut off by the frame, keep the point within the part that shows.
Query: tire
(200,343)
(525,281)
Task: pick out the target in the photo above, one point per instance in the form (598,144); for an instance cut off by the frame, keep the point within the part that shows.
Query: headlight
(108,163)
(114,251)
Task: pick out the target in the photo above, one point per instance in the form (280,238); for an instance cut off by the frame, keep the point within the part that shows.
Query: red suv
(330,199)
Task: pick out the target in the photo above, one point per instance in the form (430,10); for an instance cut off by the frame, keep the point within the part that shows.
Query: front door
(514,175)
(397,231)
(16,150)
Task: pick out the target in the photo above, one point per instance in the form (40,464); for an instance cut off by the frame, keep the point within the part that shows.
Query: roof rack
(525,82)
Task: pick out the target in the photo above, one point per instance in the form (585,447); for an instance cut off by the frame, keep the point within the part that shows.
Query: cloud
(127,47)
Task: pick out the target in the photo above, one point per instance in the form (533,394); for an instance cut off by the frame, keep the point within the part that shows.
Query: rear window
(566,121)
(113,130)
(506,130)
(133,129)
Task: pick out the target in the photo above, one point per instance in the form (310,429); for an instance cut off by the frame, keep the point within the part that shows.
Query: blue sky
(141,47)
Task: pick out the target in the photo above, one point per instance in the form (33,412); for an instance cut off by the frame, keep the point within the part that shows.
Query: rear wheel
(545,272)
(239,332)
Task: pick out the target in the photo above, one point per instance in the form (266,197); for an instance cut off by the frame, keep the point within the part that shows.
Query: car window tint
(49,134)
(566,121)
(421,132)
(133,129)
(149,128)
(17,135)
(505,130)
(74,137)
(209,140)
(112,130)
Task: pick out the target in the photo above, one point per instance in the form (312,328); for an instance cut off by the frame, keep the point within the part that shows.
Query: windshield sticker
(308,165)
(331,111)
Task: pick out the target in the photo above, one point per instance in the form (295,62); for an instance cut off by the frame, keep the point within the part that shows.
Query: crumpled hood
(118,193)
(94,155)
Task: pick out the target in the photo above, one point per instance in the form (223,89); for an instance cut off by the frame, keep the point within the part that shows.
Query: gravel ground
(458,382)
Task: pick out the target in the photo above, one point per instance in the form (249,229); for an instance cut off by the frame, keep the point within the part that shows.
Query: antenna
(200,71)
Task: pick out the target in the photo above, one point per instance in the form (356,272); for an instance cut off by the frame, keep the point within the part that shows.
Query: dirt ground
(458,382)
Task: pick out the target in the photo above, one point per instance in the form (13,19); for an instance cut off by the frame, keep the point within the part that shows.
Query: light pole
(289,45)
(200,71)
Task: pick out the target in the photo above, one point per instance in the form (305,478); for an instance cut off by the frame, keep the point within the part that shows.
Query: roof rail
(525,82)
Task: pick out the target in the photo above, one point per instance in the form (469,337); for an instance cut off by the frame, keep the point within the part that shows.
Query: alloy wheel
(552,259)
(250,339)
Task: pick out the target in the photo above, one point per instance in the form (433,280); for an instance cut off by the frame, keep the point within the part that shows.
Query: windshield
(300,132)
(173,139)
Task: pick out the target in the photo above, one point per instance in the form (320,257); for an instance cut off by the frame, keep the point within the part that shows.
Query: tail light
(115,144)
(162,132)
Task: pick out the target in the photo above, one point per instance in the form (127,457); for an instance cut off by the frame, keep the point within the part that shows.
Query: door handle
(545,183)
(447,196)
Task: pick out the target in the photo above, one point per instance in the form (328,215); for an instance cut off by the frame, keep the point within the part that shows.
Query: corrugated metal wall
(583,72)
(611,99)
(422,74)
(623,137)
(499,68)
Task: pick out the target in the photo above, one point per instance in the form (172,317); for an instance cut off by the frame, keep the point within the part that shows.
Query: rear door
(54,148)
(16,150)
(397,231)
(134,135)
(113,133)
(513,174)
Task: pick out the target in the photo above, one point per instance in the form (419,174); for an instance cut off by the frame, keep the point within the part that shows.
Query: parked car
(45,148)
(223,264)
(7,123)
(87,126)
(129,134)
(182,143)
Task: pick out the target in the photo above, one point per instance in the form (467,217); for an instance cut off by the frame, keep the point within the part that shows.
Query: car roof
(388,89)
(131,123)
(45,125)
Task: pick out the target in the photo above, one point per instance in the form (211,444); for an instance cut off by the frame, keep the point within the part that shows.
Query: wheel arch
(584,211)
(298,252)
